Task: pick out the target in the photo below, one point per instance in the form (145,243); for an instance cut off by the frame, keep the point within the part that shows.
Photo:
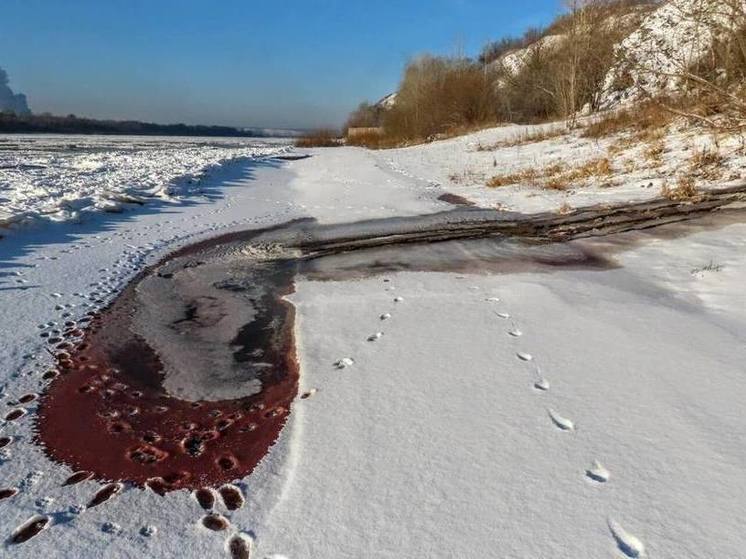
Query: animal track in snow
(524,356)
(398,299)
(515,332)
(307,395)
(29,529)
(374,337)
(503,315)
(344,363)
(44,503)
(542,384)
(148,531)
(561,422)
(628,544)
(31,480)
(493,299)
(239,546)
(111,528)
(597,472)
(385,316)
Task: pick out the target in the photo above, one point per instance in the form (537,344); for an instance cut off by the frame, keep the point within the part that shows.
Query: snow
(463,165)
(667,43)
(432,441)
(514,61)
(58,178)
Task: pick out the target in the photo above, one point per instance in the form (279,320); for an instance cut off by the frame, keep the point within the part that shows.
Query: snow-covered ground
(469,428)
(637,170)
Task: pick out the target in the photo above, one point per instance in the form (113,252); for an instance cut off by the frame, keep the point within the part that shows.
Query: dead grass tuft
(556,176)
(684,190)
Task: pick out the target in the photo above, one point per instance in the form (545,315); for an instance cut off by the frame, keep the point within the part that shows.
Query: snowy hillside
(667,42)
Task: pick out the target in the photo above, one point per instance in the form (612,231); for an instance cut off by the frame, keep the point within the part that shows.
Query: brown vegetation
(684,190)
(556,176)
(324,138)
(438,95)
(644,120)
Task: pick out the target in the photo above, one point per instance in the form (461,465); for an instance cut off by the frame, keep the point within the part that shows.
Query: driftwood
(546,227)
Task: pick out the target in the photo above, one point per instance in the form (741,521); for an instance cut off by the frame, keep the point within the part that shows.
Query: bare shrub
(559,79)
(323,138)
(707,74)
(437,95)
(365,116)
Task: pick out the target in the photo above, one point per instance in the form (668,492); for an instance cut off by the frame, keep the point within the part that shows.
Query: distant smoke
(9,101)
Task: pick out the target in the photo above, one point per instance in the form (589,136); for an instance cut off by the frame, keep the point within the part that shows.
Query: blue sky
(292,63)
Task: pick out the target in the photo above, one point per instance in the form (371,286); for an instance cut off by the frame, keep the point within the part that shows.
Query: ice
(61,178)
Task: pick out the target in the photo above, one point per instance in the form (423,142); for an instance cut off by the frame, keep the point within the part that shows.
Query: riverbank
(469,427)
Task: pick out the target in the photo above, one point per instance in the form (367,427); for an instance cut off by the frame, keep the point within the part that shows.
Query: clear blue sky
(292,63)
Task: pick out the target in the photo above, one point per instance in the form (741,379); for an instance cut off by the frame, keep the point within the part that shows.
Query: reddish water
(107,412)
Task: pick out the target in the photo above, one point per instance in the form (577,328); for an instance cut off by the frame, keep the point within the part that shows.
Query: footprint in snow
(205,497)
(374,337)
(503,315)
(104,494)
(111,528)
(597,472)
(628,544)
(515,332)
(561,422)
(398,299)
(148,531)
(29,529)
(344,363)
(542,384)
(524,356)
(385,316)
(308,394)
(239,546)
(232,496)
(493,299)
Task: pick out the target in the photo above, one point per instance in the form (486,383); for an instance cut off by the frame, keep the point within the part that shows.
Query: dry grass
(528,175)
(556,176)
(654,152)
(527,136)
(647,122)
(373,140)
(325,138)
(707,164)
(684,190)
